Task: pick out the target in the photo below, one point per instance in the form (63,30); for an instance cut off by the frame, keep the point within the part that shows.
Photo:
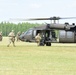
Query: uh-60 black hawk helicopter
(67,32)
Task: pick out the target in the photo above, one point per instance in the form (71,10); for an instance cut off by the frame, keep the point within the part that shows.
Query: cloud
(72,4)
(35,5)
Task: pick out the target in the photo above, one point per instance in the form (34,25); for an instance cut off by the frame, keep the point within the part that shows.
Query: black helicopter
(67,32)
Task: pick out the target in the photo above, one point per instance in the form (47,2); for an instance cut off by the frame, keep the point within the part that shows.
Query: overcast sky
(37,8)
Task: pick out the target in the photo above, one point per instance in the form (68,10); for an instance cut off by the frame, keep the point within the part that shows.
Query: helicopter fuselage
(67,34)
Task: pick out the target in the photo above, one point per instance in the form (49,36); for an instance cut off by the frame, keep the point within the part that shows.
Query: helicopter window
(69,34)
(62,34)
(29,32)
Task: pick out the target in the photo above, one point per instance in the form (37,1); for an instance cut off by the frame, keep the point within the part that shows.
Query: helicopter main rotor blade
(38,19)
(69,18)
(51,18)
(17,19)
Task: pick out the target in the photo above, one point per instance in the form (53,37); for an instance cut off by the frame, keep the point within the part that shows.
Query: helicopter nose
(21,38)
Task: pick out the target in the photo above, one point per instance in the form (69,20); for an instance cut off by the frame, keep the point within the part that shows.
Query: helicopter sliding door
(66,36)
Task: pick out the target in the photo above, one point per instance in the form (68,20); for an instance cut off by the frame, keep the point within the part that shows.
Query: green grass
(29,59)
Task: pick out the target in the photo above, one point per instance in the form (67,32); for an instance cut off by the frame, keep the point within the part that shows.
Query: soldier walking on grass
(11,38)
(38,38)
(17,36)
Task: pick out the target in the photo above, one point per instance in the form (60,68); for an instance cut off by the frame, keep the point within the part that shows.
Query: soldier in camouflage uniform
(11,38)
(17,36)
(38,38)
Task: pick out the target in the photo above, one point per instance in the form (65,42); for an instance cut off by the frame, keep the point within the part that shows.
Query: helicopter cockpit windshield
(29,32)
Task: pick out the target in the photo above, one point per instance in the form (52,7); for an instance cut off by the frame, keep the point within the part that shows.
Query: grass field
(29,59)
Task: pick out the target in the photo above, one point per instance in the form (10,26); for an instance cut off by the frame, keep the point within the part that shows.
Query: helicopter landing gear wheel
(42,44)
(48,44)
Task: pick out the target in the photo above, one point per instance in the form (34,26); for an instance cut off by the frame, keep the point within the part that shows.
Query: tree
(6,27)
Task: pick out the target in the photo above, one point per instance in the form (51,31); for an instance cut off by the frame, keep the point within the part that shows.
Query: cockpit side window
(29,32)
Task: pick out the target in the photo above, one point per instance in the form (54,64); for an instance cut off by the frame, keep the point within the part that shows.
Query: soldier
(11,38)
(22,32)
(38,38)
(17,36)
(0,36)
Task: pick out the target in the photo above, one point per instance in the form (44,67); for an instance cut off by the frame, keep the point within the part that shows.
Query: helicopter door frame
(34,33)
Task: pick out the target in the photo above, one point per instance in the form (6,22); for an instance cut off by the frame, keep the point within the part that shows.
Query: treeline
(5,28)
